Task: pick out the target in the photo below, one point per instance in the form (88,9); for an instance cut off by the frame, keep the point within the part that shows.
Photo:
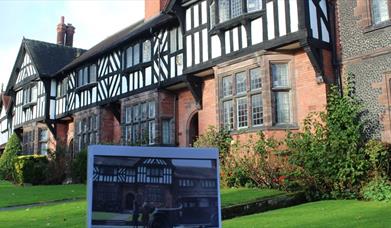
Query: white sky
(37,19)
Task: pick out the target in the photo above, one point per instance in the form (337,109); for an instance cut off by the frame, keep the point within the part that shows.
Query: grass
(11,195)
(71,214)
(333,213)
(234,196)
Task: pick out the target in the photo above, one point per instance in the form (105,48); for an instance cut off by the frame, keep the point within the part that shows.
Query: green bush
(59,165)
(7,160)
(378,189)
(31,169)
(220,139)
(329,152)
(79,167)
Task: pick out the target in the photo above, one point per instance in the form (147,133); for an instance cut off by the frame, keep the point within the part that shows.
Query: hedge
(31,169)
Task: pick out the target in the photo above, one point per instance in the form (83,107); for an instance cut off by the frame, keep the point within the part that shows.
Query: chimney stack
(153,7)
(61,29)
(65,33)
(69,35)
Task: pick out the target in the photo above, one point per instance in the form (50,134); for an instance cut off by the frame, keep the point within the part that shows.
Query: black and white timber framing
(170,48)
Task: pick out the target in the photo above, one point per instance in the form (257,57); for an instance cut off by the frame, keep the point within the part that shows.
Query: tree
(7,160)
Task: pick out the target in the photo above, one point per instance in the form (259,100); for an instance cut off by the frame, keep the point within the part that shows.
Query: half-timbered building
(29,89)
(246,65)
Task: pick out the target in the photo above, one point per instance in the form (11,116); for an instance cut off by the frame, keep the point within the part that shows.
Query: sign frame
(148,152)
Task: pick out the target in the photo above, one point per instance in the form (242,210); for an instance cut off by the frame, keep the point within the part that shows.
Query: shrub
(79,167)
(31,169)
(220,139)
(329,152)
(7,160)
(378,189)
(59,165)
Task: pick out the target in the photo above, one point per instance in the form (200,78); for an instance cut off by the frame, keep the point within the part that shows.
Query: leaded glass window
(147,51)
(255,77)
(241,82)
(281,93)
(257,110)
(380,11)
(136,54)
(242,112)
(228,114)
(227,86)
(236,8)
(254,5)
(224,10)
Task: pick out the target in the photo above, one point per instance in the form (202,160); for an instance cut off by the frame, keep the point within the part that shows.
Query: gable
(26,70)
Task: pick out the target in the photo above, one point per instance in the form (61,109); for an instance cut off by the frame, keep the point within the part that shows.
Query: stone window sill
(376,27)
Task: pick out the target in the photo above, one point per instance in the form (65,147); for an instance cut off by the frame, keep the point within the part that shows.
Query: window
(212,10)
(129,57)
(62,87)
(380,11)
(30,94)
(153,195)
(136,54)
(167,132)
(147,51)
(242,112)
(229,9)
(255,77)
(224,10)
(28,142)
(43,141)
(227,86)
(281,93)
(257,109)
(254,5)
(243,107)
(87,75)
(87,132)
(236,8)
(139,124)
(173,40)
(186,183)
(228,116)
(241,82)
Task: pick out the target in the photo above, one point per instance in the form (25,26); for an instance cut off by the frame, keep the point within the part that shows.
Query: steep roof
(117,39)
(49,58)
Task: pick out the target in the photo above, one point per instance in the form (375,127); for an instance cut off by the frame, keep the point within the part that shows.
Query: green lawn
(333,213)
(72,214)
(11,195)
(234,196)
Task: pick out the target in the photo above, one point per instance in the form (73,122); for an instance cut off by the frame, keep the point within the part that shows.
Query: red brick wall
(310,96)
(208,115)
(186,108)
(110,128)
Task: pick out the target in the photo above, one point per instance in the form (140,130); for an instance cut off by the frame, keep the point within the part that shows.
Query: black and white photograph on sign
(153,191)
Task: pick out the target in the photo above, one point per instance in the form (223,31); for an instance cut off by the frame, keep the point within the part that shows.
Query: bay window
(243,97)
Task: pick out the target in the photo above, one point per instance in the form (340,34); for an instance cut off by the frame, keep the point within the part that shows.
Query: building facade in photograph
(364,50)
(246,65)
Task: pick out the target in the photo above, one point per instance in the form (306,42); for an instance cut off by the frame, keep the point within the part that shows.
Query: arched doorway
(129,201)
(192,129)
